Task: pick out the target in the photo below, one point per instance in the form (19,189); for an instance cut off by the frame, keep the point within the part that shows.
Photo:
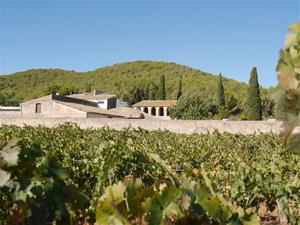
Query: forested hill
(121,79)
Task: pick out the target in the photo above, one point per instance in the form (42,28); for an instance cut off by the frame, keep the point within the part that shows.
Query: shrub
(194,108)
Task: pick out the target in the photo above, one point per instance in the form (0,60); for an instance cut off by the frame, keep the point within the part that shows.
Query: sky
(217,36)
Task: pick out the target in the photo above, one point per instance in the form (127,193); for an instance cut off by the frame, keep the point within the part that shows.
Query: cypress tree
(179,93)
(221,93)
(161,92)
(254,101)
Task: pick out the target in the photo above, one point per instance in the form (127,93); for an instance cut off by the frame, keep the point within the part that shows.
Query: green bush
(223,113)
(194,108)
(244,116)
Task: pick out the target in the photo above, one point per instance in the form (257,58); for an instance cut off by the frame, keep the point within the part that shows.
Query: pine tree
(179,93)
(221,93)
(161,92)
(254,101)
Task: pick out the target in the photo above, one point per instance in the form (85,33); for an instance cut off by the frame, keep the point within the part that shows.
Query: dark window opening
(161,111)
(153,111)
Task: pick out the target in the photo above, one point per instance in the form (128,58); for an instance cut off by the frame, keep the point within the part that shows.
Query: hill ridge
(120,79)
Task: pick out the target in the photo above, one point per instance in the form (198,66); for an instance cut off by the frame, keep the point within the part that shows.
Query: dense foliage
(245,170)
(194,108)
(179,93)
(288,97)
(161,92)
(36,187)
(120,79)
(223,106)
(187,200)
(137,95)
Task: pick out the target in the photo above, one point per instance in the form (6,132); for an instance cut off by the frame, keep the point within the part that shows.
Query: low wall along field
(176,126)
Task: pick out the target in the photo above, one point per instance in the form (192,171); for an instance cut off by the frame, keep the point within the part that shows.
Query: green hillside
(120,79)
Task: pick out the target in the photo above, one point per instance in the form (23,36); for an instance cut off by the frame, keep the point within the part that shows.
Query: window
(100,102)
(38,107)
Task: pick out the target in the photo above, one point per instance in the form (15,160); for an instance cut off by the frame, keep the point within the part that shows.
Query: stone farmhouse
(73,106)
(88,105)
(157,108)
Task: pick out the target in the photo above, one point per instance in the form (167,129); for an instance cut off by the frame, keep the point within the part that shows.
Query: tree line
(140,80)
(206,107)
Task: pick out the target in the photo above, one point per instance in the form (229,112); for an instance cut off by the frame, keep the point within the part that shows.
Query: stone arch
(153,111)
(161,111)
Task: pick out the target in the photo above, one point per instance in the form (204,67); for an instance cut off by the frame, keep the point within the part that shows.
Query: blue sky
(214,36)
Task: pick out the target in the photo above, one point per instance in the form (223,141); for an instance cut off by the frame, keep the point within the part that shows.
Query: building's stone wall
(177,126)
(28,109)
(50,108)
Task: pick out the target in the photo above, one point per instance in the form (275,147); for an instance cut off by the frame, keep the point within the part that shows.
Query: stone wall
(9,113)
(177,126)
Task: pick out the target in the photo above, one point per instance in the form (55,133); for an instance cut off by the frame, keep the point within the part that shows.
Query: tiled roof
(91,97)
(90,109)
(155,103)
(127,112)
(44,98)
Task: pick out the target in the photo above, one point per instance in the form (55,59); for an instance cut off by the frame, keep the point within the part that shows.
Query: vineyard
(58,175)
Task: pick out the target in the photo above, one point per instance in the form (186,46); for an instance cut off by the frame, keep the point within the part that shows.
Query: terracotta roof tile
(127,112)
(155,103)
(90,109)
